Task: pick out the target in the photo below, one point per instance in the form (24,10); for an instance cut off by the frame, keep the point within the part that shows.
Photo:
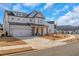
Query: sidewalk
(13,47)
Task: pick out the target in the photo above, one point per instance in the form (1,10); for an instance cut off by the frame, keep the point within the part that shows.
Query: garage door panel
(22,32)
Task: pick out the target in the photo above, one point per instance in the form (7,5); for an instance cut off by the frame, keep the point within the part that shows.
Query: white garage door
(22,32)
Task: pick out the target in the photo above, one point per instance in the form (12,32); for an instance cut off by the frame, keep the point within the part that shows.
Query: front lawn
(10,41)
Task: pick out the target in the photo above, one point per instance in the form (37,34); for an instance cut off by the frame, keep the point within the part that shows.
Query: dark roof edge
(51,22)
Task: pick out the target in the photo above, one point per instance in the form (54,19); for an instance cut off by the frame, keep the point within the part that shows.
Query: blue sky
(59,12)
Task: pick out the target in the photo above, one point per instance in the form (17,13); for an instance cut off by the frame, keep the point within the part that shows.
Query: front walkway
(40,43)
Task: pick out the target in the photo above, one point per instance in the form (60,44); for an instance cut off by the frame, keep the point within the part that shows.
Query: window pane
(12,18)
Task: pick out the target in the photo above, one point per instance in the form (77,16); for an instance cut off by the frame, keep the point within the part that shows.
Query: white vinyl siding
(31,20)
(11,18)
(26,20)
(36,21)
(51,28)
(17,19)
(39,21)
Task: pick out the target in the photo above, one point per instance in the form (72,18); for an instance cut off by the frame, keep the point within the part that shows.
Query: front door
(37,32)
(41,31)
(33,31)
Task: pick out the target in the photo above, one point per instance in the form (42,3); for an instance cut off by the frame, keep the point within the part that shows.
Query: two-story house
(23,24)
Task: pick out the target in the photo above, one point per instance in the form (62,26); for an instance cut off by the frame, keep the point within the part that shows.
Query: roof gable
(33,13)
(39,14)
(36,14)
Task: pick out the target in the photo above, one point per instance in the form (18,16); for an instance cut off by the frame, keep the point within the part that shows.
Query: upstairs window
(18,19)
(19,14)
(40,21)
(12,18)
(23,19)
(30,20)
(16,13)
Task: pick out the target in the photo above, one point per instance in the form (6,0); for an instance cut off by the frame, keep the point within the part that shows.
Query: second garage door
(22,32)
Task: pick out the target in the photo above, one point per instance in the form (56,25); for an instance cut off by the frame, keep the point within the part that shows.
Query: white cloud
(71,18)
(65,7)
(30,4)
(16,7)
(48,5)
(58,11)
(76,9)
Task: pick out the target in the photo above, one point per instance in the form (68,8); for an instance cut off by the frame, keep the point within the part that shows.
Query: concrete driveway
(41,43)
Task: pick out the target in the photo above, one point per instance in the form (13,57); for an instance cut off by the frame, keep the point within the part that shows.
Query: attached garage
(20,31)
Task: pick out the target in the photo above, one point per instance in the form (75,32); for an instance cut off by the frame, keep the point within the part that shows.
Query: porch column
(47,30)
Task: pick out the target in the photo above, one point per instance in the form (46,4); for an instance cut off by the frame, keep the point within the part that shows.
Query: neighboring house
(0,26)
(51,27)
(23,24)
(68,29)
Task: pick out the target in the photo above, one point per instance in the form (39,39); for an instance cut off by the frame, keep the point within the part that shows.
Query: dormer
(20,14)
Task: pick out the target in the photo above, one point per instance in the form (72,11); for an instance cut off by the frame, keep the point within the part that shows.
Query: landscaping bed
(55,36)
(10,41)
(72,40)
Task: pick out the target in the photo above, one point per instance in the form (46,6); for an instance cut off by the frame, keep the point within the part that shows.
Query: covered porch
(38,30)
